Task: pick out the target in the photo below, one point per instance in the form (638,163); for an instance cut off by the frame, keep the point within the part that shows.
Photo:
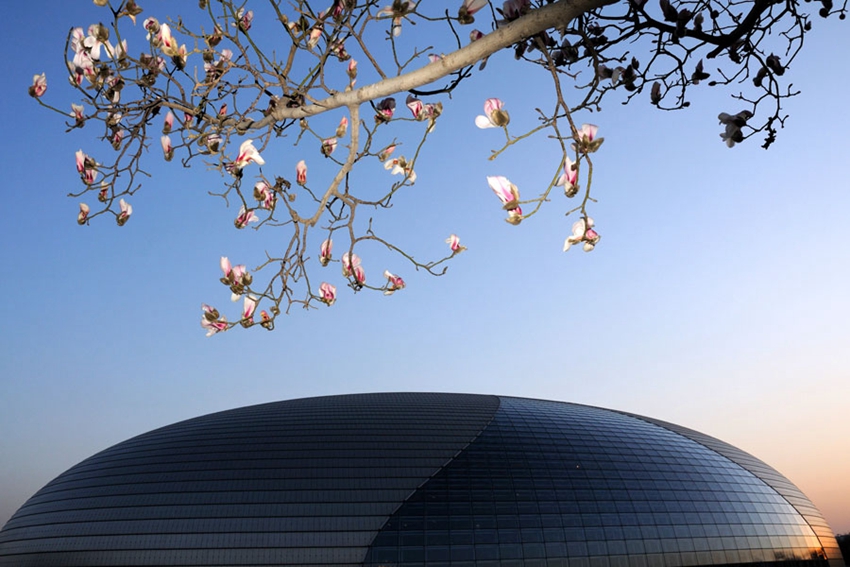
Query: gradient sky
(717,298)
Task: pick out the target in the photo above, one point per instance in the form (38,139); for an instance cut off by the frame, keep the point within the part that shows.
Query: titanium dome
(419,479)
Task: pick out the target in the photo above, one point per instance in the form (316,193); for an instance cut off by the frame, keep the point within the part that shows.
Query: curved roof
(419,479)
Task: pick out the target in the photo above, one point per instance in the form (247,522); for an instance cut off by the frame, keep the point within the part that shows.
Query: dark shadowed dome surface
(419,479)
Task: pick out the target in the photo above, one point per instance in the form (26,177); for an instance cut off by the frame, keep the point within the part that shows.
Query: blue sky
(717,298)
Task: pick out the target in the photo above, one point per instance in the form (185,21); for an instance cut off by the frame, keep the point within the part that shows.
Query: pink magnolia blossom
(86,167)
(167,149)
(327,293)
(83,216)
(245,19)
(513,9)
(96,39)
(167,41)
(168,123)
(124,215)
(212,321)
(301,173)
(397,12)
(314,37)
(454,244)
(586,139)
(249,305)
(569,179)
(39,85)
(582,232)
(237,278)
(415,105)
(494,116)
(342,129)
(78,113)
(116,139)
(352,70)
(151,25)
(468,9)
(434,58)
(328,146)
(386,152)
(245,216)
(386,109)
(265,195)
(325,251)
(351,267)
(247,154)
(508,194)
(394,283)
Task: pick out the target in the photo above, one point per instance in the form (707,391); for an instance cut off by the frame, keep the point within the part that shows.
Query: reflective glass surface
(420,480)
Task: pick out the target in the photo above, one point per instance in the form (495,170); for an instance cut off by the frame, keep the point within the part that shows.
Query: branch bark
(551,16)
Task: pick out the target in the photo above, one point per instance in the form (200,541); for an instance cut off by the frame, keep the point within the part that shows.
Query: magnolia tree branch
(201,83)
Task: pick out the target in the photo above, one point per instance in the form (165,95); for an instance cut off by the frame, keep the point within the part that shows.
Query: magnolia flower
(386,109)
(212,142)
(454,243)
(151,25)
(468,8)
(351,267)
(494,116)
(586,139)
(337,48)
(433,57)
(168,124)
(734,122)
(248,308)
(415,106)
(582,232)
(513,9)
(39,85)
(325,251)
(328,146)
(508,194)
(568,179)
(235,277)
(86,167)
(97,37)
(245,19)
(397,12)
(400,165)
(166,147)
(301,173)
(83,216)
(352,70)
(167,41)
(77,38)
(327,293)
(211,321)
(342,129)
(247,154)
(264,194)
(314,36)
(117,138)
(394,283)
(78,113)
(120,53)
(245,216)
(124,215)
(386,152)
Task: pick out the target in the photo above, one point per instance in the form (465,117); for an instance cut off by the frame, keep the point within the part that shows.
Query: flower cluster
(86,167)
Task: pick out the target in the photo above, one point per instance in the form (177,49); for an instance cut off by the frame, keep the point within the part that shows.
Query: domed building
(413,479)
